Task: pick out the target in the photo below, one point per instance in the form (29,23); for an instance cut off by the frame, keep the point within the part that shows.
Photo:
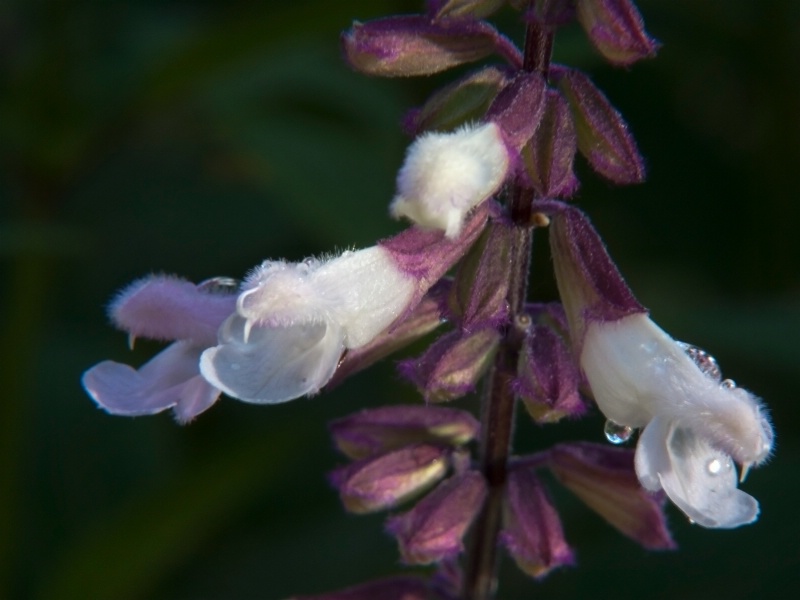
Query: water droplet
(705,362)
(728,384)
(219,285)
(616,433)
(717,466)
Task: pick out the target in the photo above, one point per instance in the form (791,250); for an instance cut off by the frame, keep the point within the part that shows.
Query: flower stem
(499,402)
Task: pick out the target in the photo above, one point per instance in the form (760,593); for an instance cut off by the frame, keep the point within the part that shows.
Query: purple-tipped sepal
(414,45)
(478,296)
(548,156)
(604,478)
(378,430)
(548,380)
(391,588)
(603,135)
(452,366)
(616,29)
(164,308)
(387,480)
(463,101)
(532,531)
(518,108)
(589,283)
(434,529)
(426,255)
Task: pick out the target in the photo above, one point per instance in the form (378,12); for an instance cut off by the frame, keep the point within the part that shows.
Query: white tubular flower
(445,175)
(695,425)
(294,320)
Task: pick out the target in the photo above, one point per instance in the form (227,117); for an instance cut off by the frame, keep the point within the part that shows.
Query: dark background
(200,137)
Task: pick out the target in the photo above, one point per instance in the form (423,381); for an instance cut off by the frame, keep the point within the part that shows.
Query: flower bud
(453,365)
(549,154)
(532,531)
(616,29)
(463,101)
(478,295)
(374,431)
(446,175)
(413,45)
(518,108)
(547,378)
(604,479)
(384,481)
(603,136)
(434,529)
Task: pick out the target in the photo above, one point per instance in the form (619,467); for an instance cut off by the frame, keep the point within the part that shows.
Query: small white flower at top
(445,175)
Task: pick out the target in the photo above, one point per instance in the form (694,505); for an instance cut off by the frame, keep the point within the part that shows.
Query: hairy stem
(497,418)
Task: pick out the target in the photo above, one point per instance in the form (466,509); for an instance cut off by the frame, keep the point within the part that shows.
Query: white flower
(294,320)
(445,175)
(694,426)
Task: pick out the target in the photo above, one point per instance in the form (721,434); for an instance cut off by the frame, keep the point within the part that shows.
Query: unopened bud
(532,531)
(616,29)
(548,378)
(413,45)
(378,430)
(549,154)
(478,295)
(603,136)
(387,480)
(518,108)
(453,365)
(463,101)
(434,529)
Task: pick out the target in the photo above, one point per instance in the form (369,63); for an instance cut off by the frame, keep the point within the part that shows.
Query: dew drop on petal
(728,384)
(717,466)
(616,433)
(705,362)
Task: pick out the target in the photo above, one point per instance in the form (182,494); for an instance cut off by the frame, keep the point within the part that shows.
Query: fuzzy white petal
(445,175)
(366,292)
(697,477)
(275,363)
(636,372)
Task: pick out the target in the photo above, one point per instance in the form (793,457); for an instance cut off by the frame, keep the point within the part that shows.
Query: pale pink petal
(167,308)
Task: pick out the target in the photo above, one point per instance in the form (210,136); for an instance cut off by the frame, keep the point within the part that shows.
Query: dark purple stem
(497,416)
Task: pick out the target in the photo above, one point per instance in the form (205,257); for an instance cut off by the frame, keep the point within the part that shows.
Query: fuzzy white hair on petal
(445,175)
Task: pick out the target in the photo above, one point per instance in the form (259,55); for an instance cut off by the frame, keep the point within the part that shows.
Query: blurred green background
(199,137)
